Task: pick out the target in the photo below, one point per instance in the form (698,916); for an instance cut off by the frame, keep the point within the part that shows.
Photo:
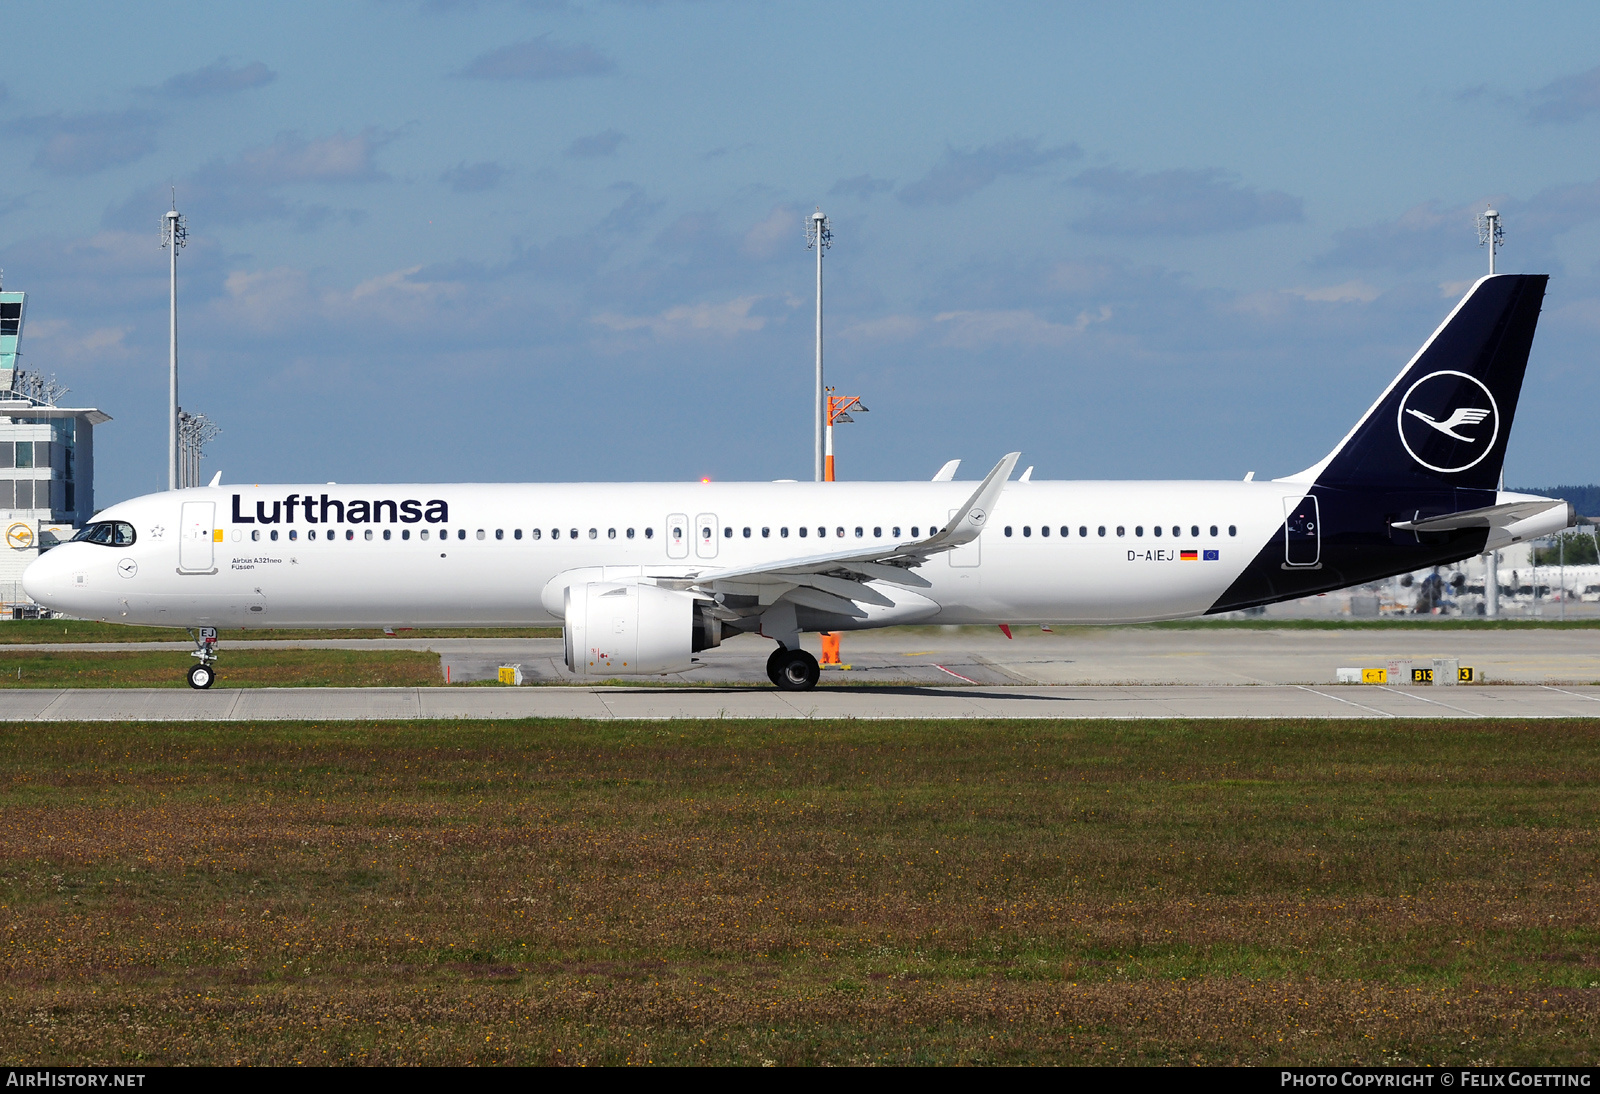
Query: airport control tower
(11,315)
(46,461)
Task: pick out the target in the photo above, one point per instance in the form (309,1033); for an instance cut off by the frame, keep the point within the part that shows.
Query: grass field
(274,668)
(800,892)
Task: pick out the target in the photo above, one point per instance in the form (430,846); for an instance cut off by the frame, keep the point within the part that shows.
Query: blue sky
(553,241)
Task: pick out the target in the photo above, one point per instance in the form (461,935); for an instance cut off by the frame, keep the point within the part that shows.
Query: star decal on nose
(157,531)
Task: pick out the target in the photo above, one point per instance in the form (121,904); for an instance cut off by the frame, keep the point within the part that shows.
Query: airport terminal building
(46,462)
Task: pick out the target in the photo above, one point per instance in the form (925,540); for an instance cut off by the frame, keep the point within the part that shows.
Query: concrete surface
(604,703)
(1078,655)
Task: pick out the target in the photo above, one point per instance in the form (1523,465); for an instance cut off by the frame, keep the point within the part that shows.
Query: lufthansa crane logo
(19,535)
(1448,421)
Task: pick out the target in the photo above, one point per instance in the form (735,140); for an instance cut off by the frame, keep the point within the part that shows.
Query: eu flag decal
(1213,556)
(1189,556)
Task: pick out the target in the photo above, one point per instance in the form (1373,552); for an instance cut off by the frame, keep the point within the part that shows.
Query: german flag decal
(1189,556)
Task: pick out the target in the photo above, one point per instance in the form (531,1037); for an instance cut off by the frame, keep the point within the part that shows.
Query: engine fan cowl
(615,629)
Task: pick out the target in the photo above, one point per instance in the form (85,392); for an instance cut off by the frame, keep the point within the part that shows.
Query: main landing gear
(204,674)
(793,670)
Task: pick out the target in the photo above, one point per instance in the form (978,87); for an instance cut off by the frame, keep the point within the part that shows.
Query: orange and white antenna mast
(839,408)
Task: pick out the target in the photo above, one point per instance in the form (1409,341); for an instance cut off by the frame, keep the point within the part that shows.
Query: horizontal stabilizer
(1490,516)
(947,472)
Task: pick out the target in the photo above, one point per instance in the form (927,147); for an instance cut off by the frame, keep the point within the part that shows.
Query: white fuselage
(192,563)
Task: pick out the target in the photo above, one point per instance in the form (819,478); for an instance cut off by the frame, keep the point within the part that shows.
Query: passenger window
(840,533)
(1213,529)
(1138,530)
(274,535)
(464,533)
(1008,530)
(1233,530)
(1027,531)
(255,533)
(630,533)
(727,533)
(405,533)
(555,533)
(572,533)
(747,531)
(294,534)
(1121,531)
(877,533)
(516,533)
(802,531)
(1044,530)
(1194,531)
(350,533)
(766,533)
(822,533)
(914,533)
(783,533)
(367,534)
(499,533)
(1176,530)
(895,531)
(649,533)
(1083,530)
(424,534)
(1156,529)
(535,533)
(677,533)
(594,533)
(611,533)
(386,533)
(859,531)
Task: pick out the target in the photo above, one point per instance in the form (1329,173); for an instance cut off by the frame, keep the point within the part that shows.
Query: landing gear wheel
(794,670)
(201,676)
(773,662)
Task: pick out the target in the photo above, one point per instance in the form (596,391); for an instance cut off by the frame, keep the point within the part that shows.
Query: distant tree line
(1570,549)
(1585,499)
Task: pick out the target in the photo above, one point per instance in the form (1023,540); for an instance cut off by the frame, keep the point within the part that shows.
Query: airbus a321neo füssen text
(643,576)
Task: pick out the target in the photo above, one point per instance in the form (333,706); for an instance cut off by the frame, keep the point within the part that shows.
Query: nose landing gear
(204,674)
(793,670)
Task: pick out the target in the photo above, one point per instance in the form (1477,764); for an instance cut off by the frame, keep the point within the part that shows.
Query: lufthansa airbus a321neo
(643,576)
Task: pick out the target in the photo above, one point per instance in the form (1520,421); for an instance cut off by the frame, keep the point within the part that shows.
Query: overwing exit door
(969,555)
(1302,531)
(705,535)
(677,536)
(195,537)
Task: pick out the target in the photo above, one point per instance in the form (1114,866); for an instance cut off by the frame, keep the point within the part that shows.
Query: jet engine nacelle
(614,629)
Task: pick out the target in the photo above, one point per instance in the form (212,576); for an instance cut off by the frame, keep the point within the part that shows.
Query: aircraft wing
(836,580)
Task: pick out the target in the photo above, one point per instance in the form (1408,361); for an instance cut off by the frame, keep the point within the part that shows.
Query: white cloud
(726,319)
(781,228)
(1347,293)
(55,342)
(972,329)
(279,299)
(891,328)
(1278,301)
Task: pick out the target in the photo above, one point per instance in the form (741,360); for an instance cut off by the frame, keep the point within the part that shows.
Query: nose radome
(46,578)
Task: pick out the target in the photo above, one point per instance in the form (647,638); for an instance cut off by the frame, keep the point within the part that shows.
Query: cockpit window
(108,533)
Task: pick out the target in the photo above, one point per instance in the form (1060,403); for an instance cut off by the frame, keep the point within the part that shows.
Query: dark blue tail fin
(1445,419)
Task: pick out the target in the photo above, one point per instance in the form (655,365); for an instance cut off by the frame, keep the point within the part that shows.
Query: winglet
(967,524)
(216,480)
(947,472)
